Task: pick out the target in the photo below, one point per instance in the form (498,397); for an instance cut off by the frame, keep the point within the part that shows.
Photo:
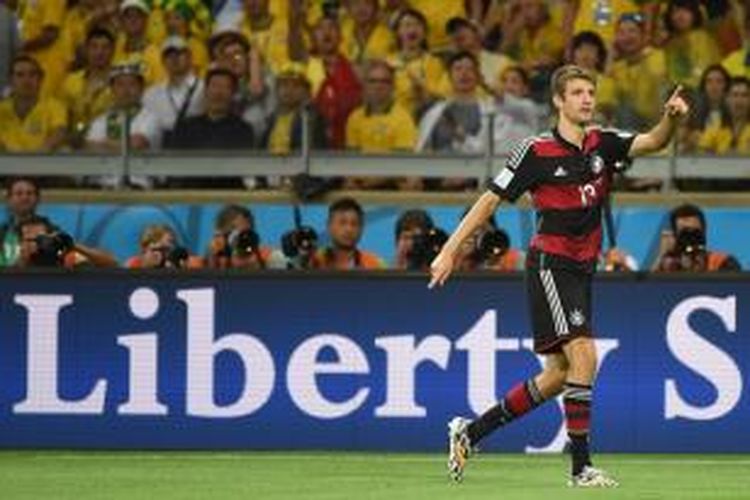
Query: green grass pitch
(352,476)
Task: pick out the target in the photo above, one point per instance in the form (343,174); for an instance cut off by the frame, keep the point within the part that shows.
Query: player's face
(578,101)
(345,228)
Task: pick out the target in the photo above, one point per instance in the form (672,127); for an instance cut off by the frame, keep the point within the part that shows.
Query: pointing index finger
(676,92)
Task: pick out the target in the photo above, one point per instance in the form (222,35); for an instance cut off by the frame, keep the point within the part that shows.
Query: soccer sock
(577,403)
(518,401)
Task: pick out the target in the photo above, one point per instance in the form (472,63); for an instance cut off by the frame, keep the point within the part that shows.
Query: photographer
(44,245)
(684,247)
(345,225)
(300,246)
(22,199)
(418,241)
(159,249)
(489,248)
(236,244)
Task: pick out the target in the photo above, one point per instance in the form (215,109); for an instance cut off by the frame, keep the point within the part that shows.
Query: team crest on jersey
(577,318)
(597,164)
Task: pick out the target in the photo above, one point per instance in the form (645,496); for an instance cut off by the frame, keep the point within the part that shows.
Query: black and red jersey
(568,186)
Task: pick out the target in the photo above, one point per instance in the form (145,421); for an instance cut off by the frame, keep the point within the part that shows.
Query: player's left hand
(676,107)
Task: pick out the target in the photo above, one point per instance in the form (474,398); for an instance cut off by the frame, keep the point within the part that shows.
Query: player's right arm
(442,266)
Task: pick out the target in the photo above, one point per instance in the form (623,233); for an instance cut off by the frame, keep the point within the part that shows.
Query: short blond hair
(564,74)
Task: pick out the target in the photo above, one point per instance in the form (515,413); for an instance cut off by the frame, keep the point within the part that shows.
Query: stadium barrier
(333,361)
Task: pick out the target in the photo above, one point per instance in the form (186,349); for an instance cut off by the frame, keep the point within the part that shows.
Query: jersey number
(588,194)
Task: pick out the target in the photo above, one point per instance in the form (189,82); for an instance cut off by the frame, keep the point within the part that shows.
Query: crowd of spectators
(374,76)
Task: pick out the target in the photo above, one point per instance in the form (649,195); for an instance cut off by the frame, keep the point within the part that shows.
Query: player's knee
(581,354)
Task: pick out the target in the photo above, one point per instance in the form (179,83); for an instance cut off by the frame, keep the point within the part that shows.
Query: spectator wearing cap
(126,113)
(181,96)
(595,16)
(466,36)
(690,48)
(335,86)
(364,35)
(438,14)
(41,37)
(532,37)
(185,19)
(286,126)
(418,73)
(133,44)
(588,51)
(255,100)
(639,74)
(265,31)
(86,92)
(30,122)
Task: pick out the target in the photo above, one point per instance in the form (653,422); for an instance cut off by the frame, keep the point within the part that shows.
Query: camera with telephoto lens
(425,247)
(51,249)
(690,241)
(242,243)
(172,256)
(492,245)
(299,242)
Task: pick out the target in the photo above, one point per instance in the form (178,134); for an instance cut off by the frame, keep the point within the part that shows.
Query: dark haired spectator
(21,200)
(41,37)
(236,244)
(255,98)
(28,121)
(409,225)
(710,103)
(690,48)
(684,247)
(363,34)
(83,17)
(336,88)
(438,14)
(531,36)
(732,135)
(86,92)
(419,74)
(588,51)
(639,74)
(346,221)
(466,35)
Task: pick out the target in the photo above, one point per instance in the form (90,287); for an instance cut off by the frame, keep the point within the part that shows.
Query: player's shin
(518,401)
(577,404)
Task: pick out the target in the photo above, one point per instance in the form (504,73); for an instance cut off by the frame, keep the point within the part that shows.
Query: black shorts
(560,305)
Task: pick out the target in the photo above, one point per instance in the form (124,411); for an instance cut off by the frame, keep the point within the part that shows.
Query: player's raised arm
(675,109)
(442,266)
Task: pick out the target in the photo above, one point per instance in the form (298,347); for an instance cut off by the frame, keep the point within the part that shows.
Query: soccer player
(568,174)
